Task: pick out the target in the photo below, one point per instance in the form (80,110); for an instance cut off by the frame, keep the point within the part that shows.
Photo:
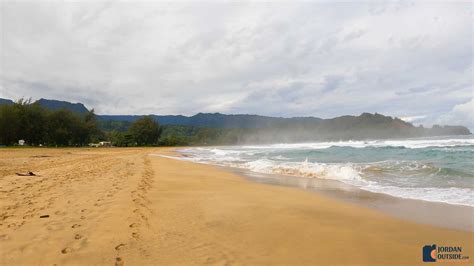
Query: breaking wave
(438,170)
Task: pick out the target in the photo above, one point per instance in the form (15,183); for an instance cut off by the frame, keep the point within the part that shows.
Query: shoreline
(424,212)
(440,214)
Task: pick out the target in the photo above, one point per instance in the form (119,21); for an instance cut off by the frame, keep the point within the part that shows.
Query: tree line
(120,133)
(37,125)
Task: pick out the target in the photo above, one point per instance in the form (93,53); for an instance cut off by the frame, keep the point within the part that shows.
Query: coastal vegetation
(59,123)
(36,125)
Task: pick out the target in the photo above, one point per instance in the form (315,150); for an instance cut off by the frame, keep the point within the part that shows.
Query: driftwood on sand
(29,173)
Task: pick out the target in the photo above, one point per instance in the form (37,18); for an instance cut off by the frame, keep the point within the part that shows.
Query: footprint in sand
(77,236)
(119,261)
(133,225)
(143,217)
(75,226)
(119,246)
(66,250)
(28,216)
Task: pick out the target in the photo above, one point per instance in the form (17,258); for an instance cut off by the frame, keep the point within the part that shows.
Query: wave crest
(305,169)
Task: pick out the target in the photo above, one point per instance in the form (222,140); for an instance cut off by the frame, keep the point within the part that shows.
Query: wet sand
(122,206)
(425,212)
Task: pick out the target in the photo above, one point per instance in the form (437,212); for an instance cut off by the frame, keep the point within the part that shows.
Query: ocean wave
(407,168)
(441,173)
(452,195)
(354,175)
(305,169)
(407,143)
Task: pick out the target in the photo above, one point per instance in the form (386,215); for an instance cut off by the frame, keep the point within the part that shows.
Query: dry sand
(122,206)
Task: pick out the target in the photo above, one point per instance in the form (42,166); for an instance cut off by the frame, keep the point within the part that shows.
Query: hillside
(263,128)
(216,120)
(5,101)
(243,128)
(56,105)
(53,105)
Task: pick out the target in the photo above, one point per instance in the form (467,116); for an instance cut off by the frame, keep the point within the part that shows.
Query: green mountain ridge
(244,128)
(57,105)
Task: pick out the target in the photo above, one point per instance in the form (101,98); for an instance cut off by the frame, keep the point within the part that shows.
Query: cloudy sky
(411,59)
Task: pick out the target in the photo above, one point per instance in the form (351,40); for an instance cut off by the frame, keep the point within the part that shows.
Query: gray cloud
(408,58)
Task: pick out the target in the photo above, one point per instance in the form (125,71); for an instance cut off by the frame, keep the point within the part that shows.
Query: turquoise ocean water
(433,169)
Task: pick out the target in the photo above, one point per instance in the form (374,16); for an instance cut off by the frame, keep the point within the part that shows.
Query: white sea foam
(304,169)
(452,195)
(401,178)
(407,143)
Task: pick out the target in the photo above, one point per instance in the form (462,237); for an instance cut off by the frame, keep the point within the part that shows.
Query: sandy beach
(125,207)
